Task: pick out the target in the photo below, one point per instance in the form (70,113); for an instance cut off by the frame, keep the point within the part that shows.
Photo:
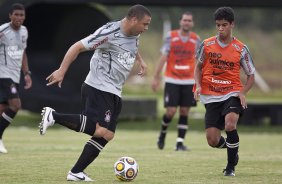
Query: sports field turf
(46,159)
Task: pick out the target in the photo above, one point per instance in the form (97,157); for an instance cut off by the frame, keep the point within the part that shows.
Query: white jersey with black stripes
(113,58)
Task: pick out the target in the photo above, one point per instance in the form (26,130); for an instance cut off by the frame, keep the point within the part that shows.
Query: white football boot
(47,120)
(81,176)
(2,147)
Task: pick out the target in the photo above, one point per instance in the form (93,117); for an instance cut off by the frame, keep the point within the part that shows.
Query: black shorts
(100,106)
(215,112)
(8,90)
(178,95)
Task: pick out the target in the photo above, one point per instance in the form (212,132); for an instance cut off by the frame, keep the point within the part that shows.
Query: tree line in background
(265,19)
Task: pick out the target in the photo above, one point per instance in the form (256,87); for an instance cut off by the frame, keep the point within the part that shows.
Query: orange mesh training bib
(221,67)
(181,58)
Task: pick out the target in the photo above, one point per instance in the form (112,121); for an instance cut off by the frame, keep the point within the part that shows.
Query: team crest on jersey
(13,89)
(108,115)
(175,39)
(236,47)
(210,43)
(126,59)
(166,98)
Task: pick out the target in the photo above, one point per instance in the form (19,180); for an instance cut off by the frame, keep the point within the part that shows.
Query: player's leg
(214,123)
(213,136)
(167,117)
(3,126)
(77,122)
(108,108)
(10,104)
(90,152)
(182,128)
(170,103)
(186,100)
(232,143)
(232,111)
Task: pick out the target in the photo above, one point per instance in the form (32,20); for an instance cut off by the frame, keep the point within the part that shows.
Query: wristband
(27,73)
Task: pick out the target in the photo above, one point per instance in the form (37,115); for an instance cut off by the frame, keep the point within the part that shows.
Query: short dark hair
(224,13)
(186,13)
(138,11)
(16,6)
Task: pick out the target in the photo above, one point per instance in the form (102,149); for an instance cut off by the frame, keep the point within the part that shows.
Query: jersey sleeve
(97,40)
(1,34)
(200,53)
(26,37)
(198,43)
(247,61)
(166,45)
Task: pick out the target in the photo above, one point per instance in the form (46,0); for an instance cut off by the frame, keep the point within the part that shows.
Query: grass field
(46,159)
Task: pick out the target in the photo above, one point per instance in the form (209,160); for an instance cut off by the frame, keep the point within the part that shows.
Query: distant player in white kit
(13,59)
(115,48)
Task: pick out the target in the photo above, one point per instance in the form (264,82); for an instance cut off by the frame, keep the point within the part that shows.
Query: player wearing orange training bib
(178,53)
(218,85)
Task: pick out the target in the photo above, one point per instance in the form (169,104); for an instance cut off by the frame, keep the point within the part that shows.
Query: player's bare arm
(249,83)
(26,72)
(58,75)
(143,65)
(198,77)
(157,76)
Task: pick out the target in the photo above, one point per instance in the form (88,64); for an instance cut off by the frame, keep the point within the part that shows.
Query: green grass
(46,159)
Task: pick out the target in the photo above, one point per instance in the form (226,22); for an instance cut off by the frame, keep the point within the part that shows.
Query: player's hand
(143,68)
(28,82)
(243,100)
(197,93)
(155,84)
(56,77)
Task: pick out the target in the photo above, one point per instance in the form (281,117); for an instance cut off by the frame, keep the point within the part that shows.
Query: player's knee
(230,125)
(109,135)
(15,107)
(184,111)
(170,113)
(100,131)
(212,142)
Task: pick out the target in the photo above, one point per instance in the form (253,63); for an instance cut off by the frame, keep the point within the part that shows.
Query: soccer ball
(126,168)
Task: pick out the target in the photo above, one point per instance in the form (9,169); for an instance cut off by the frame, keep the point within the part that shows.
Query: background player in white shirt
(13,59)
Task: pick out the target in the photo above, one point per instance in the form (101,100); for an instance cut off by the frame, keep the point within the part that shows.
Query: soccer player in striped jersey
(178,53)
(219,87)
(115,47)
(13,59)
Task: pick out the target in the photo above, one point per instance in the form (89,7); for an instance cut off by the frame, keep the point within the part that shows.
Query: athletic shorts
(216,111)
(100,106)
(8,90)
(178,95)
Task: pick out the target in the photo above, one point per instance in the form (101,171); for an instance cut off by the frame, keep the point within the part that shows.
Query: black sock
(221,143)
(90,152)
(5,119)
(165,122)
(76,122)
(182,128)
(232,143)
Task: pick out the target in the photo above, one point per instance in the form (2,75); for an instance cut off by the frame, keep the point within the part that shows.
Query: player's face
(17,18)
(224,28)
(140,26)
(186,23)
